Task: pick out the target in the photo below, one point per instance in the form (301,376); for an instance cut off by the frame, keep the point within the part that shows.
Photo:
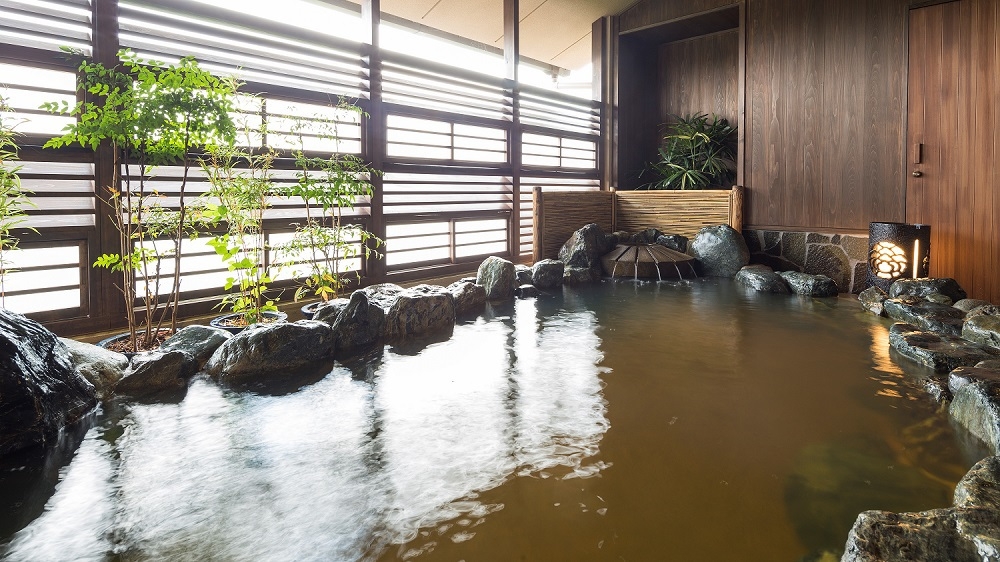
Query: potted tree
(150,114)
(696,153)
(327,186)
(241,188)
(13,198)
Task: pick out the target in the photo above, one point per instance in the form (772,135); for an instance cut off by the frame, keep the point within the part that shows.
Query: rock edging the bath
(720,250)
(264,352)
(40,390)
(762,279)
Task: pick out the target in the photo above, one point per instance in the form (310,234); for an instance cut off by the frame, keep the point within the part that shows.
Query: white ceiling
(552,31)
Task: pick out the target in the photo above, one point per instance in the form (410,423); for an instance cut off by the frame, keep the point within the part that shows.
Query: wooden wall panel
(652,12)
(825,129)
(637,130)
(700,75)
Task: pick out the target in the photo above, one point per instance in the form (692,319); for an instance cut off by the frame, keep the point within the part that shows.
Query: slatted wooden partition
(678,212)
(559,213)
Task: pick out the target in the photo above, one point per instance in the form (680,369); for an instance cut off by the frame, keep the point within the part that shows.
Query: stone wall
(841,257)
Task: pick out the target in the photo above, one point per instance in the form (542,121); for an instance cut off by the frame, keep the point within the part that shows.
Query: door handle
(917,173)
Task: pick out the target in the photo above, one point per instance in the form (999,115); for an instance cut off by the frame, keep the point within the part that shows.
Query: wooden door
(953,139)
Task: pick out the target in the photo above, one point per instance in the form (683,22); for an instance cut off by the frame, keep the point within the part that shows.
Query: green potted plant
(13,197)
(696,153)
(327,186)
(241,188)
(150,114)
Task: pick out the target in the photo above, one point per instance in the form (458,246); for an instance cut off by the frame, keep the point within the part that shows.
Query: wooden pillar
(512,55)
(106,304)
(605,79)
(375,131)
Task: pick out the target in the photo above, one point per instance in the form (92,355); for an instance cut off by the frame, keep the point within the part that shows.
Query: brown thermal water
(626,421)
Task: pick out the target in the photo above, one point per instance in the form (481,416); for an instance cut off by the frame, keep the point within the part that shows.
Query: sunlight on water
(640,421)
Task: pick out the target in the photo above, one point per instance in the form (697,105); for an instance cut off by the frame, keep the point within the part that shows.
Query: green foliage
(13,197)
(241,190)
(695,154)
(330,184)
(150,114)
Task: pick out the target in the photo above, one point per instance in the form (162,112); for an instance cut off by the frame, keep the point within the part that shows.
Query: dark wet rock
(924,286)
(360,323)
(815,238)
(498,277)
(157,373)
(198,341)
(976,407)
(383,295)
(647,236)
(872,299)
(762,279)
(40,391)
(810,285)
(468,279)
(939,299)
(967,375)
(547,274)
(720,251)
(830,260)
(969,304)
(856,247)
(585,248)
(937,387)
(527,291)
(983,310)
(265,352)
(675,242)
(101,367)
(469,298)
(522,275)
(330,310)
(992,364)
(860,280)
(579,276)
(940,352)
(945,535)
(980,487)
(929,316)
(982,329)
(422,310)
(793,248)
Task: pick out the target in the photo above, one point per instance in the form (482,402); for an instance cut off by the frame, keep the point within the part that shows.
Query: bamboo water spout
(647,261)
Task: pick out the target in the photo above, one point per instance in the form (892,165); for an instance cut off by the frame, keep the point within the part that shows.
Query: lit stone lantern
(897,250)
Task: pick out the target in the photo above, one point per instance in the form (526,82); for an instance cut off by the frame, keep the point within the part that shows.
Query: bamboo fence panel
(678,212)
(558,214)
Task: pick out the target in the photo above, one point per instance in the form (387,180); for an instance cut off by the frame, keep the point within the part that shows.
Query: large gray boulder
(873,300)
(40,391)
(810,285)
(922,287)
(157,373)
(940,352)
(200,342)
(421,310)
(522,274)
(469,298)
(547,274)
(762,279)
(721,251)
(330,310)
(983,329)
(359,324)
(980,487)
(265,352)
(383,295)
(580,275)
(498,277)
(527,291)
(983,310)
(939,535)
(976,407)
(928,316)
(969,304)
(101,367)
(585,247)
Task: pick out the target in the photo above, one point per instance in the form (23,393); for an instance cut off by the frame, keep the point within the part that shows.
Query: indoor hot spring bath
(622,421)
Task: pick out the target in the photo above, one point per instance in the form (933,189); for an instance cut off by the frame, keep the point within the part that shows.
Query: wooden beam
(511,55)
(374,132)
